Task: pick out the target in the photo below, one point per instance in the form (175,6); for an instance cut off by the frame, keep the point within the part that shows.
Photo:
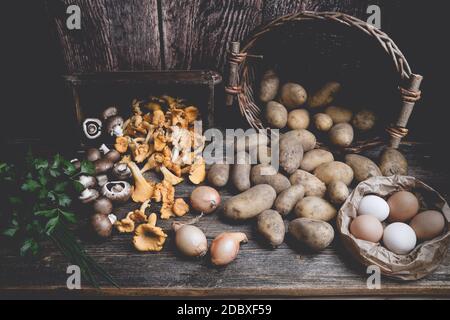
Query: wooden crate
(92,93)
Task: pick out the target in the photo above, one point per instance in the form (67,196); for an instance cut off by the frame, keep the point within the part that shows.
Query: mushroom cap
(102,180)
(117,191)
(101,225)
(89,195)
(121,171)
(103,165)
(112,155)
(93,154)
(87,181)
(113,122)
(149,238)
(110,112)
(103,205)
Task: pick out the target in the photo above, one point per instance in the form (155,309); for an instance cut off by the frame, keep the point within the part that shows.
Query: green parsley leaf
(30,185)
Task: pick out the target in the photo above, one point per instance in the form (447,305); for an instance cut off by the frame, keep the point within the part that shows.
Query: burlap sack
(427,255)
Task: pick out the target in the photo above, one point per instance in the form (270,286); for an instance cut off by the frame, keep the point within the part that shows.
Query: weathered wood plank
(113,36)
(258,271)
(196,34)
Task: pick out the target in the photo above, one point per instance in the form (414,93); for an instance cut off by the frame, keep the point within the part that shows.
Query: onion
(225,247)
(190,240)
(205,199)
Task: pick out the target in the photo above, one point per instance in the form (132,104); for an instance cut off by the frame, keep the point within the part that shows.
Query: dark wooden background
(182,34)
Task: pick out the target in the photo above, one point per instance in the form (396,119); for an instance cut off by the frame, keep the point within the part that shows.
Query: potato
(363,168)
(269,86)
(218,174)
(339,114)
(266,174)
(341,135)
(364,120)
(392,162)
(334,171)
(250,203)
(293,95)
(298,119)
(240,171)
(313,186)
(314,158)
(337,192)
(316,235)
(264,155)
(325,95)
(315,208)
(307,138)
(250,142)
(323,122)
(291,151)
(287,199)
(276,115)
(271,226)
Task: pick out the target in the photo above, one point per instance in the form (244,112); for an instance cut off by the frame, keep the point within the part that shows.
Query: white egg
(374,206)
(399,237)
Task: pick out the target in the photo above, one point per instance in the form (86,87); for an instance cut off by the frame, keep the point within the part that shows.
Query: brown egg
(367,228)
(403,206)
(428,224)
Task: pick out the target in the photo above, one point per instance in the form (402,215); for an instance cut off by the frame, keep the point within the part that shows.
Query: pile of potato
(291,107)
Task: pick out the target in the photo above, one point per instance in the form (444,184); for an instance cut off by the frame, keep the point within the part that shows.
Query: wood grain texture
(196,34)
(113,36)
(258,271)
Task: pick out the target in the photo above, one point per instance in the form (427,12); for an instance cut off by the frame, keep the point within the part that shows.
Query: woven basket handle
(410,93)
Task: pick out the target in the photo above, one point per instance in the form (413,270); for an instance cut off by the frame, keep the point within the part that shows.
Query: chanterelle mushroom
(170,177)
(149,237)
(142,190)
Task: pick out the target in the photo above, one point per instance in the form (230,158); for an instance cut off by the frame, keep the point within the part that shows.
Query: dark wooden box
(92,93)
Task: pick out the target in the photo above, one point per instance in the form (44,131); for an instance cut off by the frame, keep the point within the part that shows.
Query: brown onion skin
(205,199)
(190,240)
(225,247)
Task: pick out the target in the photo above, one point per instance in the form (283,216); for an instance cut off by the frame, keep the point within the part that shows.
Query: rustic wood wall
(169,34)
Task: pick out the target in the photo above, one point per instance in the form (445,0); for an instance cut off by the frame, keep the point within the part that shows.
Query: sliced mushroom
(93,154)
(92,128)
(103,205)
(88,182)
(121,171)
(117,191)
(110,112)
(89,195)
(102,224)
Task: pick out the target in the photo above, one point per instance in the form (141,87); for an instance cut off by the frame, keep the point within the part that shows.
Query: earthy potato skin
(314,158)
(269,86)
(339,114)
(324,96)
(219,174)
(276,115)
(293,95)
(286,200)
(364,120)
(271,177)
(393,162)
(337,192)
(317,235)
(291,151)
(341,135)
(270,225)
(323,122)
(313,186)
(363,168)
(334,171)
(315,208)
(250,203)
(307,138)
(298,119)
(240,173)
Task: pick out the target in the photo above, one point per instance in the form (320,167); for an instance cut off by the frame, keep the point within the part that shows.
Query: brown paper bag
(427,255)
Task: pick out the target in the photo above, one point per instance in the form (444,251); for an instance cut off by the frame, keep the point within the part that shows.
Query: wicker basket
(333,45)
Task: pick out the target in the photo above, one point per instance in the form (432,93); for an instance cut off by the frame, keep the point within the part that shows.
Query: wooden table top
(258,271)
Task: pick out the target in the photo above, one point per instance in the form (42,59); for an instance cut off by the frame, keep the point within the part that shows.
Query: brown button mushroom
(88,182)
(110,112)
(117,191)
(103,205)
(114,126)
(121,171)
(89,195)
(93,154)
(102,224)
